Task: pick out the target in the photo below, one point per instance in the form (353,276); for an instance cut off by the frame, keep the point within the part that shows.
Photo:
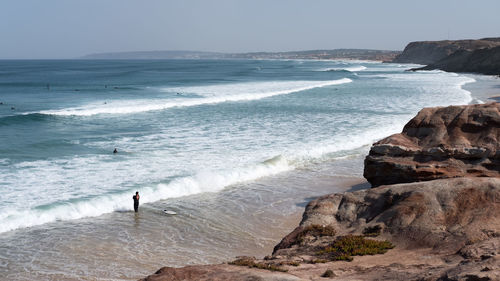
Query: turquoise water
(190,134)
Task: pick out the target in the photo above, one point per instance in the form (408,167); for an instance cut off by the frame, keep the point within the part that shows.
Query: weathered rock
(445,215)
(440,142)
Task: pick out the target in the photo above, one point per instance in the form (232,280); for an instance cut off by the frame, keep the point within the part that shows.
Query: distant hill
(360,54)
(155,55)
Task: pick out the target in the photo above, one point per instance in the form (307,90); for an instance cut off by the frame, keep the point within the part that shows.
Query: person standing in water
(136,201)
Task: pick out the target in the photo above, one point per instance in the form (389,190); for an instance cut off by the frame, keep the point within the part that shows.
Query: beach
(249,199)
(245,219)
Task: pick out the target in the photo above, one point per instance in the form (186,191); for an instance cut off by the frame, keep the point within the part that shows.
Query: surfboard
(168,212)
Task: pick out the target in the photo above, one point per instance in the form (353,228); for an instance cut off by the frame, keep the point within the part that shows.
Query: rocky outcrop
(440,214)
(429,52)
(441,142)
(483,61)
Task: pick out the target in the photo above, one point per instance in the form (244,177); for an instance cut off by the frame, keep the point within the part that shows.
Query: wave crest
(213,94)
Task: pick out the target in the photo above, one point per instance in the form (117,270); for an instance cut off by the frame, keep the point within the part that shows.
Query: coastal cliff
(443,227)
(484,61)
(474,56)
(429,52)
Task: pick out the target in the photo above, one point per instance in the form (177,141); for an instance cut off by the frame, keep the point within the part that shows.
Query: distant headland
(475,56)
(353,54)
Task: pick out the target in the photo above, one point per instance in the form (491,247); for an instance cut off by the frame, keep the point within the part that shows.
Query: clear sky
(73,28)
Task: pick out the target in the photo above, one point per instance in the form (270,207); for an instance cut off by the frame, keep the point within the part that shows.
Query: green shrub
(354,245)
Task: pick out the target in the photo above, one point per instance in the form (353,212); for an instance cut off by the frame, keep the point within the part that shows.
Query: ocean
(232,146)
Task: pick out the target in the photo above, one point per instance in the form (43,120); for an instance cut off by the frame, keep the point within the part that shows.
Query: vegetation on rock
(354,245)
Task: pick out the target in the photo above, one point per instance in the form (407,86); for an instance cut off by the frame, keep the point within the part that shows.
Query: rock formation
(428,52)
(442,142)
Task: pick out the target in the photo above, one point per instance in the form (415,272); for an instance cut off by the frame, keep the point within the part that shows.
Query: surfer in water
(136,201)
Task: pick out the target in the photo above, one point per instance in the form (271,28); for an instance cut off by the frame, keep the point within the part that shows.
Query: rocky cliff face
(484,61)
(428,52)
(446,142)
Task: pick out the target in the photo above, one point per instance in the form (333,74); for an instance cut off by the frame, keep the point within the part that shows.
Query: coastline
(244,219)
(412,257)
(485,89)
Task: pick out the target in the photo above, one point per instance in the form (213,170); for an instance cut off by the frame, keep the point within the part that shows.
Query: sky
(43,29)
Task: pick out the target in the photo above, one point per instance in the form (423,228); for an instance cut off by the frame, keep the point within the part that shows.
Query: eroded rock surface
(440,142)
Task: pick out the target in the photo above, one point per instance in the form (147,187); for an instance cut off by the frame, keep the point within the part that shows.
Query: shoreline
(485,89)
(413,257)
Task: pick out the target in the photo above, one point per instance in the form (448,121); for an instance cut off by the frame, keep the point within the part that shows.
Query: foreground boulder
(440,142)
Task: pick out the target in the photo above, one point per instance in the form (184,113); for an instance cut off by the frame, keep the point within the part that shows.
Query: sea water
(231,145)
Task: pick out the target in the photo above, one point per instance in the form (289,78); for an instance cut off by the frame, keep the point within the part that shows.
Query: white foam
(350,68)
(211,94)
(203,181)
